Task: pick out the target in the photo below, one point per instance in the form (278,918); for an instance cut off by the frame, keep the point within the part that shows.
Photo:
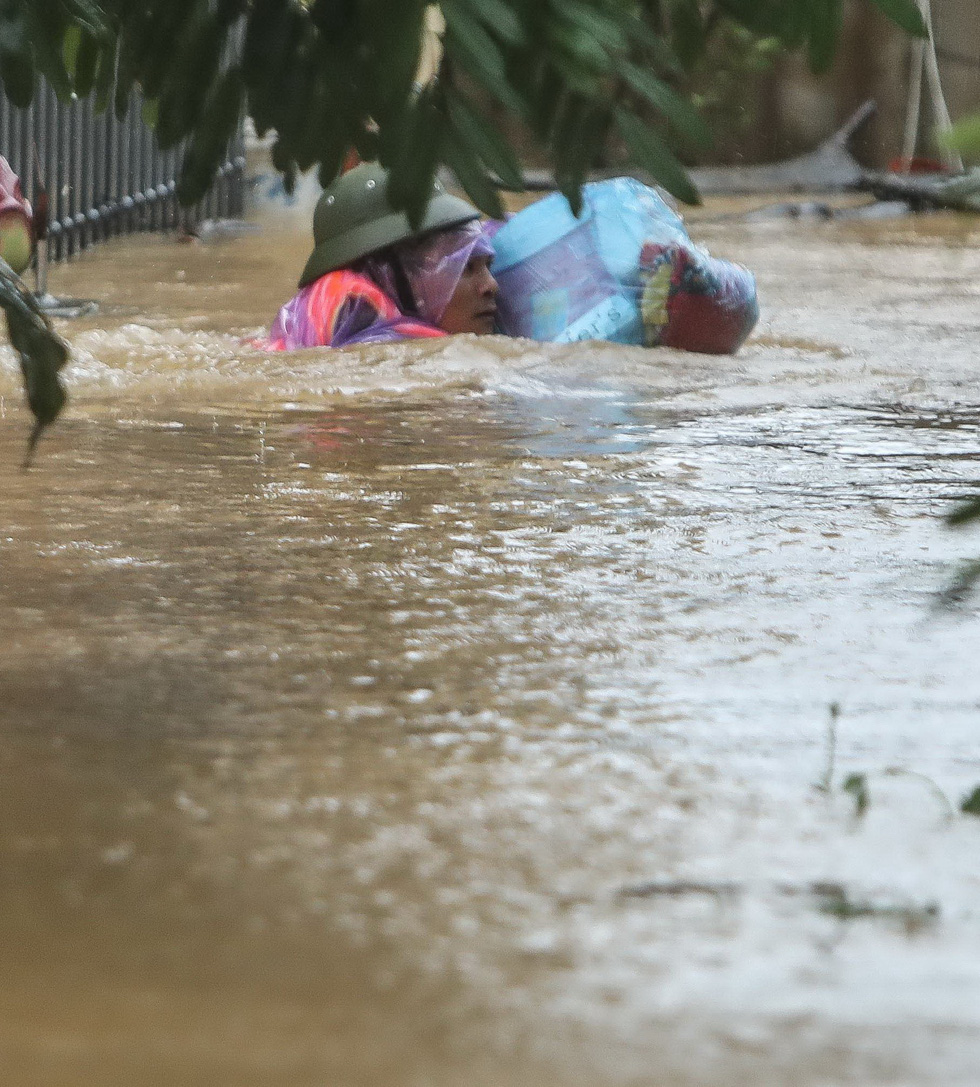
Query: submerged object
(623,270)
(66,308)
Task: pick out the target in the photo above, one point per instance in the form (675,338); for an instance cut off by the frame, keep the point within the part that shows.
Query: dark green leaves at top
(41,351)
(595,24)
(414,159)
(904,13)
(649,151)
(478,54)
(579,132)
(501,16)
(88,16)
(486,141)
(688,31)
(826,19)
(667,102)
(465,164)
(395,46)
(329,74)
(812,24)
(82,61)
(16,53)
(209,144)
(184,94)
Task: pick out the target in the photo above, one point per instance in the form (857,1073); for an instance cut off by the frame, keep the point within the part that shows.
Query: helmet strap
(405,299)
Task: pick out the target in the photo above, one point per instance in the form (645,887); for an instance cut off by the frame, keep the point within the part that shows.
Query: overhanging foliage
(328,75)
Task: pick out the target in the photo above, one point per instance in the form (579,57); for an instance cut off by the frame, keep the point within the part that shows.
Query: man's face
(473,306)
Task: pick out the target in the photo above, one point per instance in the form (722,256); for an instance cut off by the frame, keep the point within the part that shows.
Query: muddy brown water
(450,713)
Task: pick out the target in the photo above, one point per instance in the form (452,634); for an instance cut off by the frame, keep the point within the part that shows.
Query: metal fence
(106,177)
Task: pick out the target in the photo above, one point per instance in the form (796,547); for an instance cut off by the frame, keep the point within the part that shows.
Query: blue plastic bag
(625,270)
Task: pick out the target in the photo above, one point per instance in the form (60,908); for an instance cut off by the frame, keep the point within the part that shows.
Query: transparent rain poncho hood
(400,293)
(433,266)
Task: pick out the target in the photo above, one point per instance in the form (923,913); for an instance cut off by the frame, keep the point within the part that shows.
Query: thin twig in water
(828,778)
(829,897)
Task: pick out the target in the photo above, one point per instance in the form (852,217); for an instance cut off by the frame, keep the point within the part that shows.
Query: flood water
(451,712)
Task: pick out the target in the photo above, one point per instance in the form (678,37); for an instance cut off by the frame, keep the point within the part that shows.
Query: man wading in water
(372,278)
(623,270)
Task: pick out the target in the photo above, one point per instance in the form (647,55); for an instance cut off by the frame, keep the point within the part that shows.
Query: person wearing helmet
(373,278)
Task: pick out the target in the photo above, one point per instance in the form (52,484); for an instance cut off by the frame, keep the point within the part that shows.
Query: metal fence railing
(106,177)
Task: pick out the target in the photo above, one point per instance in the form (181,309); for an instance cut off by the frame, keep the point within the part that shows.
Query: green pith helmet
(354,219)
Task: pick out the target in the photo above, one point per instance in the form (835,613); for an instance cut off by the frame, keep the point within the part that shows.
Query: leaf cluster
(41,352)
(331,75)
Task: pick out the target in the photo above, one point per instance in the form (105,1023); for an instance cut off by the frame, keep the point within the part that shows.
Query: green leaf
(210,141)
(296,95)
(166,32)
(643,39)
(85,67)
(480,136)
(320,126)
(650,152)
(104,78)
(857,786)
(971,803)
(826,18)
(676,109)
(906,14)
(70,45)
(46,30)
(687,32)
(471,175)
(16,55)
(89,17)
(421,141)
(183,96)
(594,25)
(130,51)
(477,54)
(150,112)
(964,136)
(576,153)
(499,17)
(396,45)
(42,352)
(573,155)
(262,22)
(581,58)
(546,99)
